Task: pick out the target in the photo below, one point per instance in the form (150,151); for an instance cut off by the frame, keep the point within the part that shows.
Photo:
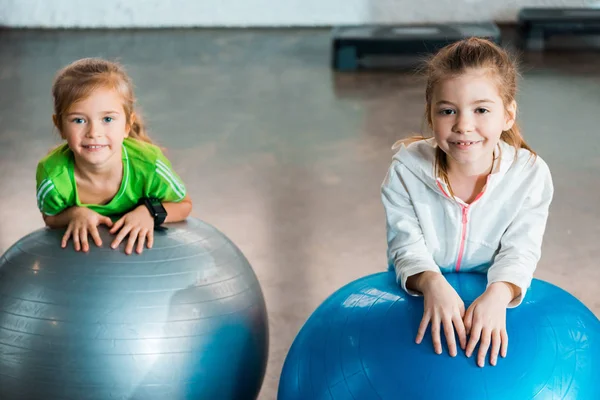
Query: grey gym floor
(286,157)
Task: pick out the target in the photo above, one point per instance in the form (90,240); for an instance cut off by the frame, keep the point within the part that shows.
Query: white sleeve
(406,244)
(521,244)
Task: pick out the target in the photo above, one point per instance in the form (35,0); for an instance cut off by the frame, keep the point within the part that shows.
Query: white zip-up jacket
(499,233)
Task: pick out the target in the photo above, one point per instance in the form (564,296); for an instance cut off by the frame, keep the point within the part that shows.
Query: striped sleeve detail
(45,187)
(167,174)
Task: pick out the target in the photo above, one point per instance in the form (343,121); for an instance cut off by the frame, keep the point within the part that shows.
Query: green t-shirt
(146,173)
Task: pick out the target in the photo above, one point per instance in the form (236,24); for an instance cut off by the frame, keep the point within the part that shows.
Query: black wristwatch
(156,209)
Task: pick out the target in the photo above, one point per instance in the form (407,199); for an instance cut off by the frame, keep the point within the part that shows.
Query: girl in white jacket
(474,197)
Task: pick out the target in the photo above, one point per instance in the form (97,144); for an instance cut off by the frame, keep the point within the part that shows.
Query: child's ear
(511,115)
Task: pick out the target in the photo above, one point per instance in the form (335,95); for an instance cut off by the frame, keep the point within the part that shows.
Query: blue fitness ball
(360,344)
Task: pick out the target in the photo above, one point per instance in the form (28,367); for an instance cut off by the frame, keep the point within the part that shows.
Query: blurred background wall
(240,13)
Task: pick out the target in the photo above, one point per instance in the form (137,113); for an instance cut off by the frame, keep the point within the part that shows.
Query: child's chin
(465,159)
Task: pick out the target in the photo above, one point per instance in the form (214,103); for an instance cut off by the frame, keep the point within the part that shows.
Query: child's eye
(482,110)
(108,119)
(446,111)
(78,120)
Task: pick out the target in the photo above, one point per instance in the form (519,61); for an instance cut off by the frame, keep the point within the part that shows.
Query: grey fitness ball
(183,320)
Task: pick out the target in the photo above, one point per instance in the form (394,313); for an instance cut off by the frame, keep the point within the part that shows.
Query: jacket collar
(419,158)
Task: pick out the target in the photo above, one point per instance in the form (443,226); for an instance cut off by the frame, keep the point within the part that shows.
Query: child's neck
(470,171)
(101,173)
(467,181)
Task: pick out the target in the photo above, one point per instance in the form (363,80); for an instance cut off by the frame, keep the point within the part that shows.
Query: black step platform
(399,47)
(537,25)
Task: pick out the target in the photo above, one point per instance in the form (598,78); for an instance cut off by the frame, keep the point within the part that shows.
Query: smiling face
(468,117)
(95,128)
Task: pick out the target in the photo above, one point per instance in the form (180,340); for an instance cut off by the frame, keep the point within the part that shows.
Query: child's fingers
(117,225)
(504,346)
(83,235)
(122,234)
(449,333)
(459,327)
(141,241)
(468,320)
(422,327)
(133,236)
(76,238)
(484,345)
(473,339)
(496,340)
(435,334)
(462,309)
(95,236)
(66,236)
(150,238)
(106,221)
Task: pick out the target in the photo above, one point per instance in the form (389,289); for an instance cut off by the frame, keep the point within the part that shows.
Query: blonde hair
(79,79)
(456,59)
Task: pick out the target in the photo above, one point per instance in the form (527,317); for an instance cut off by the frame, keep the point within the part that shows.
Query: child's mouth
(94,147)
(464,144)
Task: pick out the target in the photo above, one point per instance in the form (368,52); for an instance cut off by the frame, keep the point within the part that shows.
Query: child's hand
(485,321)
(139,225)
(84,221)
(442,305)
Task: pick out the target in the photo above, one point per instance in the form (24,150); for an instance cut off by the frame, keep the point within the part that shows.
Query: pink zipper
(463,236)
(465,220)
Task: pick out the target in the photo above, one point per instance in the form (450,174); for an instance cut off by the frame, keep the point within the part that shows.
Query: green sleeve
(49,200)
(166,184)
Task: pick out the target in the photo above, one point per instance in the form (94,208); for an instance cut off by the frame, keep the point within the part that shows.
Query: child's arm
(419,282)
(416,270)
(406,245)
(59,220)
(521,244)
(509,291)
(512,271)
(164,184)
(58,213)
(178,211)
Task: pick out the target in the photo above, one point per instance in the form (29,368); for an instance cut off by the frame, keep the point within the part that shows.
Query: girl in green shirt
(108,165)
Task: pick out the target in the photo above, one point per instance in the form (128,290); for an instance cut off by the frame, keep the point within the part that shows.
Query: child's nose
(464,123)
(93,130)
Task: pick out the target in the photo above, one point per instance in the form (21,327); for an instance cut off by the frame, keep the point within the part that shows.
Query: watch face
(158,208)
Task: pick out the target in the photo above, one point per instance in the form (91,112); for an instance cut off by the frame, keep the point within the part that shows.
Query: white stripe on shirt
(43,196)
(171,180)
(168,171)
(173,186)
(42,187)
